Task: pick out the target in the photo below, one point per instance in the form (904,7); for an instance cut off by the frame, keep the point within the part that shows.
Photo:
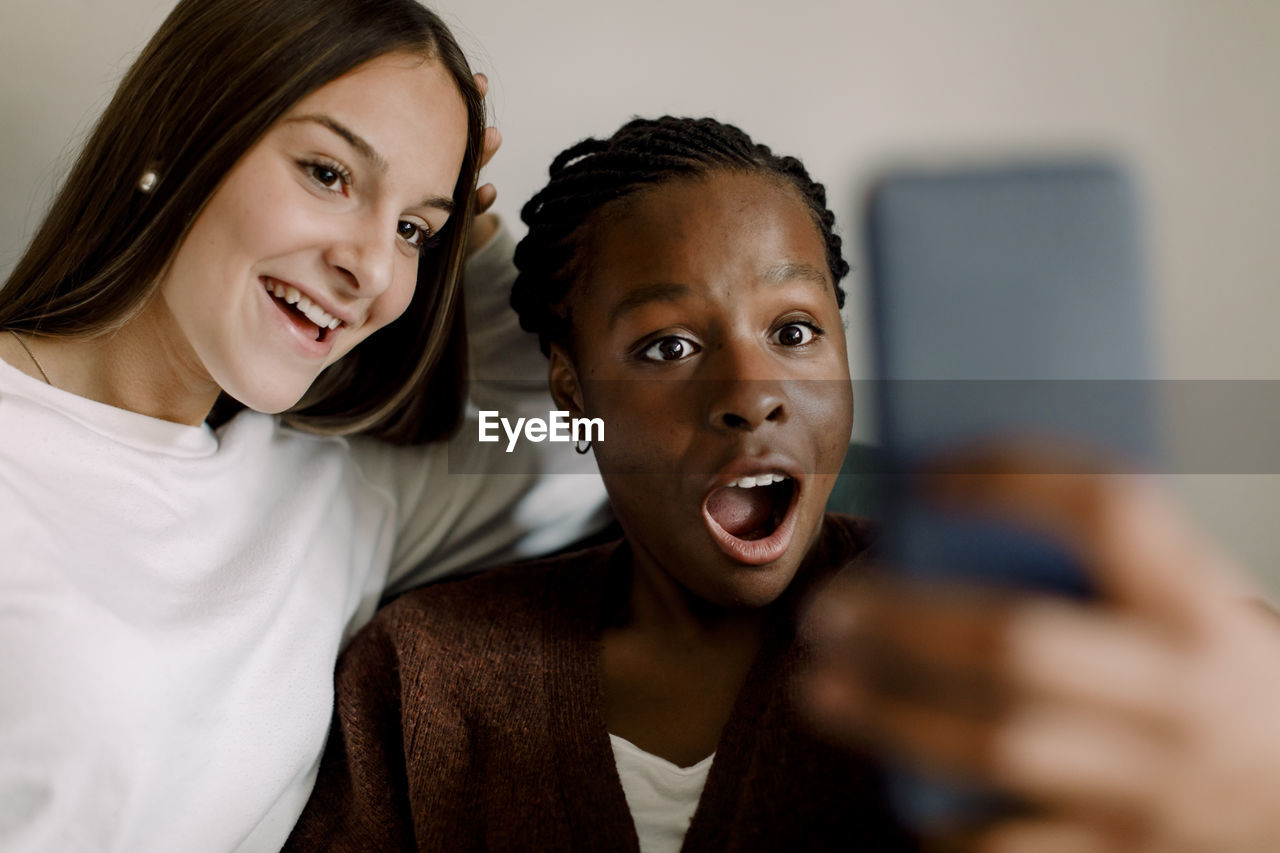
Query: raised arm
(466,504)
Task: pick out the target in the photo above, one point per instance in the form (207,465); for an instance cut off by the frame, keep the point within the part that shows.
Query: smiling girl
(685,283)
(256,254)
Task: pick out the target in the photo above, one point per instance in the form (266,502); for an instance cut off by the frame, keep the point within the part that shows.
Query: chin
(268,401)
(751,587)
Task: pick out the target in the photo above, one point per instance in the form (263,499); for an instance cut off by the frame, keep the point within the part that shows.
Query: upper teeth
(313,312)
(758,480)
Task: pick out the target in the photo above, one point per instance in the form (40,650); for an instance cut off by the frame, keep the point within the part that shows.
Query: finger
(492,142)
(930,644)
(953,621)
(482,82)
(833,704)
(909,612)
(1037,648)
(483,227)
(942,680)
(899,643)
(485,197)
(1048,836)
(955,744)
(1088,658)
(1068,759)
(972,649)
(1043,755)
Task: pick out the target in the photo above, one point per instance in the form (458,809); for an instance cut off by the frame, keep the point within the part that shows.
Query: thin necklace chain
(32,356)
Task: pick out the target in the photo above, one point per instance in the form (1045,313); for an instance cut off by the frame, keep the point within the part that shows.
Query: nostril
(350,276)
(751,420)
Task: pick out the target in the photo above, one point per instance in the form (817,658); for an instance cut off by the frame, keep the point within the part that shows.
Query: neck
(659,603)
(673,667)
(144,367)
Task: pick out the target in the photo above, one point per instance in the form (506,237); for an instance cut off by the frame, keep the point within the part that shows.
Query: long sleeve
(445,729)
(420,692)
(504,360)
(466,504)
(361,797)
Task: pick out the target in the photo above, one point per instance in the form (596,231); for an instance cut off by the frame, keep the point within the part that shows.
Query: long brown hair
(212,80)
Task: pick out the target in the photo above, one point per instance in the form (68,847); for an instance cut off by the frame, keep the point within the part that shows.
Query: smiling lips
(752,518)
(300,308)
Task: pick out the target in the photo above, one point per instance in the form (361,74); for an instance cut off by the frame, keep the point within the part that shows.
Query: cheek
(198,282)
(646,425)
(236,229)
(827,408)
(630,447)
(255,214)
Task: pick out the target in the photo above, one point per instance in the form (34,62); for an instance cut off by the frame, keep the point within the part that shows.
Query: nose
(745,392)
(362,252)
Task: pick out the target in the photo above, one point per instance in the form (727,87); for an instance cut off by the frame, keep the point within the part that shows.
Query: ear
(563,378)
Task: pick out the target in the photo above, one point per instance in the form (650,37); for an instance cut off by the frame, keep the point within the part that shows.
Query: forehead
(407,107)
(726,231)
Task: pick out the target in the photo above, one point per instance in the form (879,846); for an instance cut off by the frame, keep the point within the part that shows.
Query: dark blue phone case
(1006,302)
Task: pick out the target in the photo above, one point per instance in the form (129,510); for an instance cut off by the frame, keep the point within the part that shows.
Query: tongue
(740,511)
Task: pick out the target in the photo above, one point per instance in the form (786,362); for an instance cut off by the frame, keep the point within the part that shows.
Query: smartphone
(1006,302)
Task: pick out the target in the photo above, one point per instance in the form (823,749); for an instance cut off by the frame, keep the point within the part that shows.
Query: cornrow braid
(596,172)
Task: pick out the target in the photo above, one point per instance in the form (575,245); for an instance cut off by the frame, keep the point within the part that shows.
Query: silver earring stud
(148,181)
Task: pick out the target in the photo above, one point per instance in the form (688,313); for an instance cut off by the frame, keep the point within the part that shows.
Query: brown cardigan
(469,717)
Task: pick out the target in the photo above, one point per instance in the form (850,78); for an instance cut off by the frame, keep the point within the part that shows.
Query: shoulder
(256,428)
(489,611)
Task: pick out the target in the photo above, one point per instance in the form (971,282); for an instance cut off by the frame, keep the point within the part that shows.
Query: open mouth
(751,519)
(309,317)
(753,507)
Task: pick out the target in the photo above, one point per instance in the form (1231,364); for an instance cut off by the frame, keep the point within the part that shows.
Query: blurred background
(1184,91)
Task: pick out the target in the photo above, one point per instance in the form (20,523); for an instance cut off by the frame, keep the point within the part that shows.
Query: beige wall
(1185,90)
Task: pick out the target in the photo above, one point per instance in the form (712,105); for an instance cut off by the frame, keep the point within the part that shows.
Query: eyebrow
(797,272)
(369,153)
(671,292)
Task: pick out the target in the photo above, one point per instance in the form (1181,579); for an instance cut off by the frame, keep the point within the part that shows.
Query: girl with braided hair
(684,283)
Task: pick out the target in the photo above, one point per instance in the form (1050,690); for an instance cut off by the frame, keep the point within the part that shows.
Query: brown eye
(795,334)
(669,349)
(412,233)
(329,176)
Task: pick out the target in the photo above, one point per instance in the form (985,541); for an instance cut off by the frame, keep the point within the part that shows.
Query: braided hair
(597,172)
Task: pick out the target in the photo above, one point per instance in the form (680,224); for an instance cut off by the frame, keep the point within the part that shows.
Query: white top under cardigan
(662,796)
(173,598)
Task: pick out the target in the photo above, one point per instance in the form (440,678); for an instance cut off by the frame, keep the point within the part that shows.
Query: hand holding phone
(1007,305)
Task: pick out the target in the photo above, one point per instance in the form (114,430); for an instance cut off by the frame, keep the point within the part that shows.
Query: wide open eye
(670,348)
(796,334)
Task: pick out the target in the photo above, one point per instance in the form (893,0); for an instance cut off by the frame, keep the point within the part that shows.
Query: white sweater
(173,598)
